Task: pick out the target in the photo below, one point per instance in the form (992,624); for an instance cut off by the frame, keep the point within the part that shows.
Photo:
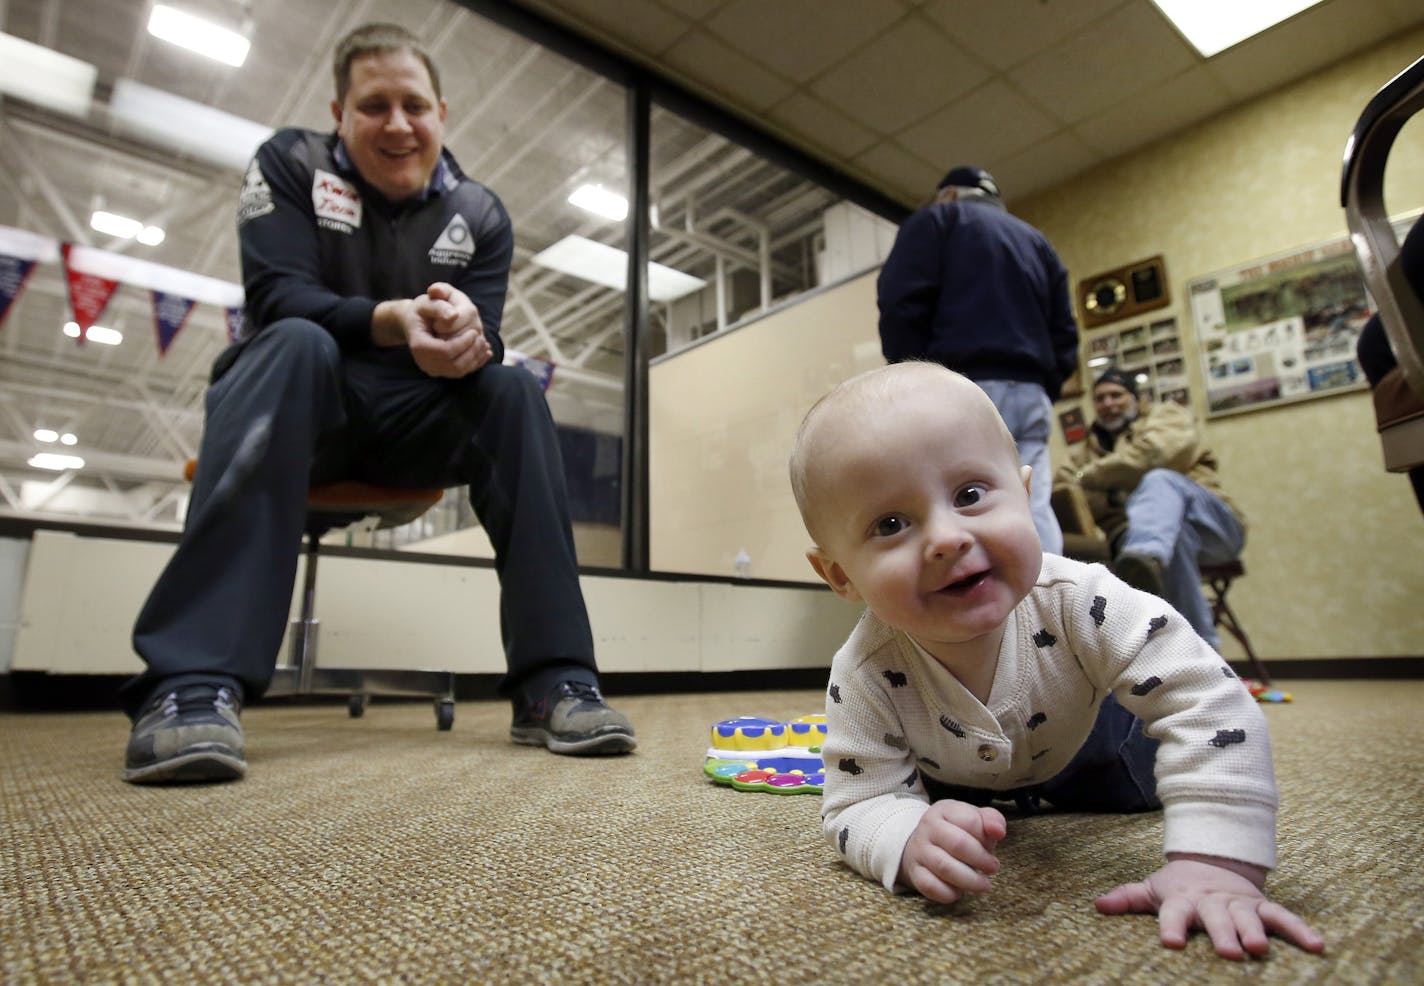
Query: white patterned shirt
(892,711)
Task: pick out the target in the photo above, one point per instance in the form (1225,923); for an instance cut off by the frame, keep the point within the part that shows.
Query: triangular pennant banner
(170,313)
(234,324)
(88,294)
(14,272)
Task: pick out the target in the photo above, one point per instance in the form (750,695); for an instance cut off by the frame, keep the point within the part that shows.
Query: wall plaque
(1123,292)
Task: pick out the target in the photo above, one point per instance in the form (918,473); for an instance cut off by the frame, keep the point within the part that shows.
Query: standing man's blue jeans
(1028,412)
(1184,526)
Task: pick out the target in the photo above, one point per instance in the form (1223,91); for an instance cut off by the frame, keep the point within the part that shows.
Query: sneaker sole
(189,768)
(606,744)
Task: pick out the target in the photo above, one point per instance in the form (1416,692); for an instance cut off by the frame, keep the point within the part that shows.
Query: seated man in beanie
(1152,486)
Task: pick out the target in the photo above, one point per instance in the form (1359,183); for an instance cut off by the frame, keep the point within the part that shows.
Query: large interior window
(539,117)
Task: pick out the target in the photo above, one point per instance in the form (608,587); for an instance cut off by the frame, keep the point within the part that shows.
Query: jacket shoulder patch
(255,199)
(455,247)
(336,202)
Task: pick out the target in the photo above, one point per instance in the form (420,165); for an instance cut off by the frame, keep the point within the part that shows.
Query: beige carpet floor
(381,850)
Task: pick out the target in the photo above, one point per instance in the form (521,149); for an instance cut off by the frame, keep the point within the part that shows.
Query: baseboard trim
(1335,668)
(38,691)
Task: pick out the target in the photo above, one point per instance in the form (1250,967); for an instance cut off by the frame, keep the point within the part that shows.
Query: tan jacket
(1163,436)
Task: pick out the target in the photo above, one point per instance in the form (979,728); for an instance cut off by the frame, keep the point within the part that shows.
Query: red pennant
(89,294)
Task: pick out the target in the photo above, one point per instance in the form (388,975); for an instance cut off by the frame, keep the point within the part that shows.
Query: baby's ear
(832,574)
(1027,472)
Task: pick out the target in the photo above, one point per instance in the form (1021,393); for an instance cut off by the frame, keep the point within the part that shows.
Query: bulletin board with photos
(1282,328)
(1151,349)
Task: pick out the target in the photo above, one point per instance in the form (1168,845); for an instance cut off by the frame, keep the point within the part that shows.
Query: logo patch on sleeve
(256,196)
(456,246)
(336,202)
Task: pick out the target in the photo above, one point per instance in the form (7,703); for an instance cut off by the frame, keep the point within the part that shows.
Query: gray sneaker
(573,718)
(1140,571)
(190,733)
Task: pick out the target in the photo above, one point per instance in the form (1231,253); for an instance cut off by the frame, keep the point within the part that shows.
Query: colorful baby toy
(750,753)
(1265,693)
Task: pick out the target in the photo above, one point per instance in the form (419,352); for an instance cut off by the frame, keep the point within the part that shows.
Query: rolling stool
(340,504)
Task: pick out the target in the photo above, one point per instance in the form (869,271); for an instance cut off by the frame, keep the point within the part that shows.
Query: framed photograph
(1102,346)
(1134,357)
(1075,428)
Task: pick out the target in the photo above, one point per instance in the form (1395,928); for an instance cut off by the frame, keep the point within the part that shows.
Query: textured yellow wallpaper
(1335,559)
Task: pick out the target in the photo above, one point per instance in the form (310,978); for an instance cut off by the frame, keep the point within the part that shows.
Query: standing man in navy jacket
(984,293)
(375,273)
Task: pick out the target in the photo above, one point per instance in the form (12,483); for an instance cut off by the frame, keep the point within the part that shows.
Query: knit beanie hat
(1127,381)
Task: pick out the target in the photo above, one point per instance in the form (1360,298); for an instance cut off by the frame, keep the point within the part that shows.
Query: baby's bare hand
(951,851)
(1222,898)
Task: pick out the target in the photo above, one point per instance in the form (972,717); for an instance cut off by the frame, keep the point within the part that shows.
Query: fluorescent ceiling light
(115,225)
(581,257)
(68,439)
(1215,25)
(125,228)
(206,38)
(181,125)
(56,461)
(101,334)
(46,435)
(44,77)
(601,202)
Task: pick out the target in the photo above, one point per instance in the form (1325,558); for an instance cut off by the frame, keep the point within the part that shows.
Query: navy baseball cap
(967,176)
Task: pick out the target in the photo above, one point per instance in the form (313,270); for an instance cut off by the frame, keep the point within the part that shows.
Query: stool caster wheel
(444,713)
(356,705)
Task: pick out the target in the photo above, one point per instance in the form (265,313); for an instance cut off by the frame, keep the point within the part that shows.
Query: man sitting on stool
(1151,484)
(375,273)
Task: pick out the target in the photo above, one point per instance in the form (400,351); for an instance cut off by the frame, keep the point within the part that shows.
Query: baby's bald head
(870,397)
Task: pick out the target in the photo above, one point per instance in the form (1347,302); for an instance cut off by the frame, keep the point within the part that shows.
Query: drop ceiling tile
(1147,115)
(1131,49)
(1042,166)
(1405,13)
(642,26)
(817,123)
(1302,45)
(825,31)
(1006,32)
(991,122)
(695,9)
(904,75)
(710,65)
(899,172)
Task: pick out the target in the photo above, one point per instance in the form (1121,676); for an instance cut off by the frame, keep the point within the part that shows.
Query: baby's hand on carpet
(1220,896)
(951,851)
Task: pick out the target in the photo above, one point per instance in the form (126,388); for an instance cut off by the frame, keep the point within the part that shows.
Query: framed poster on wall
(1283,328)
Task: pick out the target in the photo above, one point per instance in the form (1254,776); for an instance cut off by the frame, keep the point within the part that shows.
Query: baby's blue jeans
(1111,772)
